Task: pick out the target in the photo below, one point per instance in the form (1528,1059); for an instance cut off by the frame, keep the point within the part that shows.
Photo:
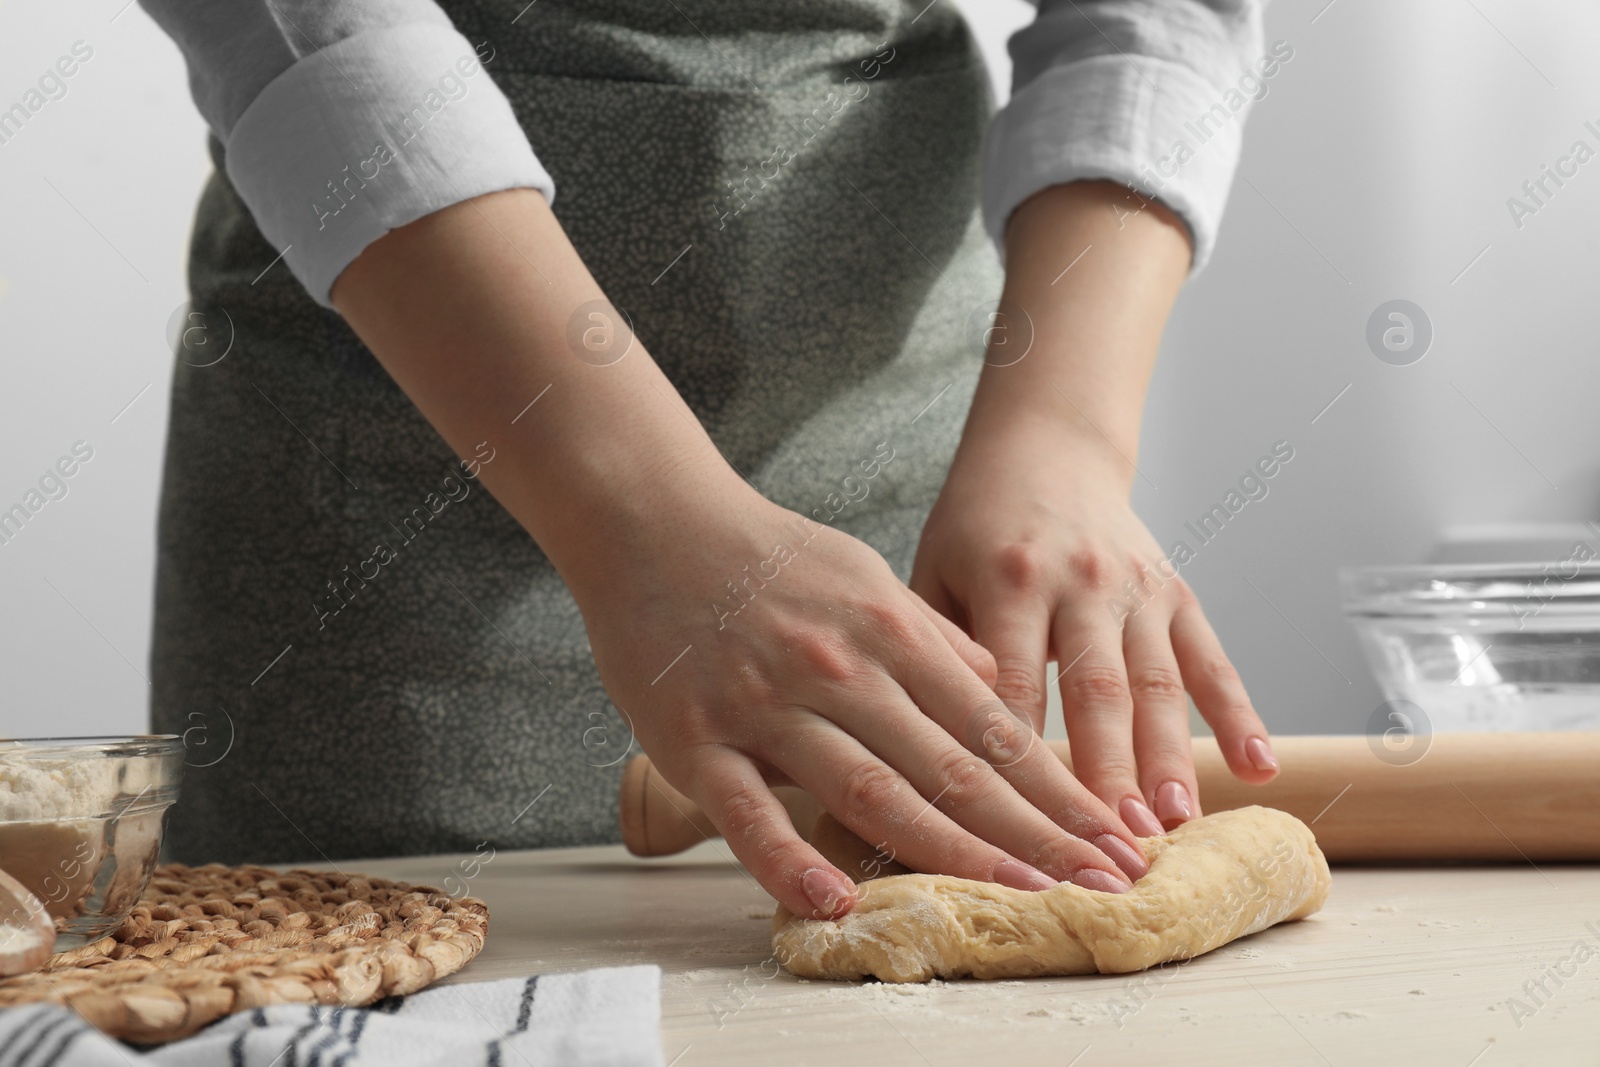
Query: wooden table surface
(1414,967)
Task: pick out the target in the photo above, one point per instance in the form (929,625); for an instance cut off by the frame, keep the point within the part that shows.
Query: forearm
(470,310)
(1095,274)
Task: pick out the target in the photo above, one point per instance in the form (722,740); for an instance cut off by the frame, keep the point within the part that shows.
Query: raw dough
(1212,880)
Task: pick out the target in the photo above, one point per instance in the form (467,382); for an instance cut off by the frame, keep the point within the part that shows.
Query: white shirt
(1143,92)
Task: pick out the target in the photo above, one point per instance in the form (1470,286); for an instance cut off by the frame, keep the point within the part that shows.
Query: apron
(782,197)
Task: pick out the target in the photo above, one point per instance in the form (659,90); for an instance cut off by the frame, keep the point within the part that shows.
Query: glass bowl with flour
(80,824)
(1485,646)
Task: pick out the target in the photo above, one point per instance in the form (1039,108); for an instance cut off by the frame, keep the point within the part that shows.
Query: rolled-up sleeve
(344,119)
(1149,93)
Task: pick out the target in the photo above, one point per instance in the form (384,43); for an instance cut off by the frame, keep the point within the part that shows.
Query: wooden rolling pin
(1508,796)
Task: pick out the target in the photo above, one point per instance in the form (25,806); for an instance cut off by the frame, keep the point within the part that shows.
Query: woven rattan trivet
(204,942)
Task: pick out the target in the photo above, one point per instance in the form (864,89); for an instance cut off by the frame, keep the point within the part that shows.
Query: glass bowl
(1484,646)
(81,821)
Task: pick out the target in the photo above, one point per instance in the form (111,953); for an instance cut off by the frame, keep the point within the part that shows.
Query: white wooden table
(1413,967)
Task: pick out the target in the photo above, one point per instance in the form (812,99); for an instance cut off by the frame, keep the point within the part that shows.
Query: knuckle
(869,788)
(1219,670)
(1099,688)
(1020,566)
(748,687)
(739,812)
(892,624)
(1167,754)
(1160,683)
(1238,713)
(825,655)
(783,855)
(1060,854)
(1093,568)
(965,776)
(999,734)
(1019,683)
(1111,776)
(1166,758)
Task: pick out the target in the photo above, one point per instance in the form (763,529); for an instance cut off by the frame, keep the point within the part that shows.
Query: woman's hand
(753,648)
(1033,547)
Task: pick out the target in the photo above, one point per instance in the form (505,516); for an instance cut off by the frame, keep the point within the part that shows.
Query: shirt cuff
(1150,124)
(368,134)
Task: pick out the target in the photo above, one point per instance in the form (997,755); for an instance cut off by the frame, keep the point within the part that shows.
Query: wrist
(1047,425)
(663,507)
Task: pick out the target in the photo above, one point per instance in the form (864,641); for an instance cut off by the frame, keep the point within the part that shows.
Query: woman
(737,380)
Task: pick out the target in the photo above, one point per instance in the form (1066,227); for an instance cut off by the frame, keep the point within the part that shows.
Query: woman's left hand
(1034,549)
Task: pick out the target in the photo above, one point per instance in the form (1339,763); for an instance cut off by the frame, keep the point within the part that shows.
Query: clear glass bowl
(81,821)
(1484,646)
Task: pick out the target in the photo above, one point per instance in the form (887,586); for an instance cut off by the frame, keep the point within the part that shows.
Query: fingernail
(1140,819)
(1260,754)
(1098,880)
(1019,875)
(1123,855)
(1172,802)
(825,890)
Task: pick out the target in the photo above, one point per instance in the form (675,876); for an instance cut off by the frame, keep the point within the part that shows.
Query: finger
(1097,704)
(1017,631)
(730,789)
(885,810)
(1219,694)
(973,654)
(969,791)
(933,593)
(929,685)
(1160,722)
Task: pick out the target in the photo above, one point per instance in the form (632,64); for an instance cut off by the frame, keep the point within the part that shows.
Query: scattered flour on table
(893,992)
(935,998)
(950,999)
(1072,1012)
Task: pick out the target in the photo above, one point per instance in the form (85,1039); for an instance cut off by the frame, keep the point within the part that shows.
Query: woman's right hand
(751,648)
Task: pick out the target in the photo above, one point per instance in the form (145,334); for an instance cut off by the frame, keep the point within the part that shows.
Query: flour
(38,790)
(52,823)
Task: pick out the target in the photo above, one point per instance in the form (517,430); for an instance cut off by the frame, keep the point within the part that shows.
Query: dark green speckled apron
(784,198)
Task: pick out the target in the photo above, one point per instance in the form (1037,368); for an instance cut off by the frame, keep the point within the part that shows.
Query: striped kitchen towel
(611,1016)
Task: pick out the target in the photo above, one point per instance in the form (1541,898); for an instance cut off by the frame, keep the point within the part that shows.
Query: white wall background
(1377,167)
(96,195)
